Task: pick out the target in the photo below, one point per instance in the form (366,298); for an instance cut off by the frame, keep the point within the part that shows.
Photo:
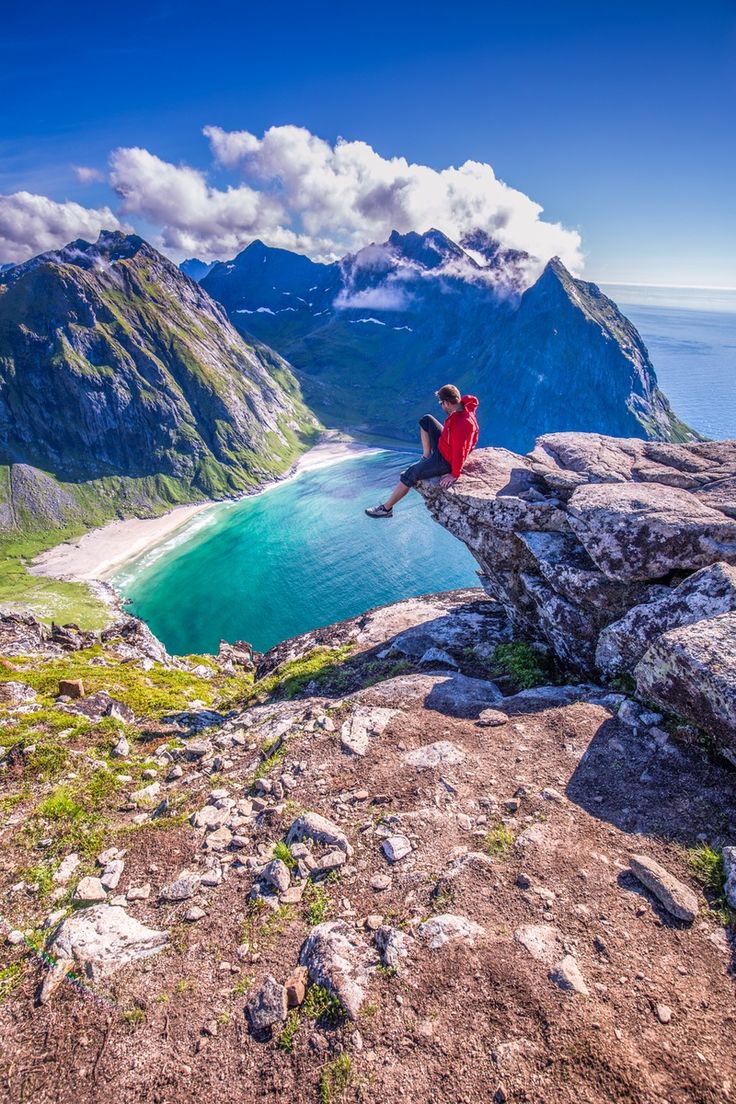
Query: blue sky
(617,120)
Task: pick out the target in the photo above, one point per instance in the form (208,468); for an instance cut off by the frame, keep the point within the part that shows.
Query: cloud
(195,218)
(388,296)
(296,191)
(339,197)
(31,224)
(86,175)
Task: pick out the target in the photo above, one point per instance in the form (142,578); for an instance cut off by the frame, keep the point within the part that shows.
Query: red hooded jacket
(460,434)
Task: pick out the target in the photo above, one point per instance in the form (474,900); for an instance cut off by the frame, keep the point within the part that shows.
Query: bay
(299,555)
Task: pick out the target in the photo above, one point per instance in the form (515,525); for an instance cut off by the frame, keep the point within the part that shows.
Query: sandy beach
(102,552)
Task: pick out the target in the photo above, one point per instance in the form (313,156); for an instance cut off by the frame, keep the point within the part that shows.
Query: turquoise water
(300,555)
(691,337)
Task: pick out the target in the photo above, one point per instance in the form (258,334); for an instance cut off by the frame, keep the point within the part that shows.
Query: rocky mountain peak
(430,250)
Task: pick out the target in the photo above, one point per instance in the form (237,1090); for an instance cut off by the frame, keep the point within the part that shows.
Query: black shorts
(432,465)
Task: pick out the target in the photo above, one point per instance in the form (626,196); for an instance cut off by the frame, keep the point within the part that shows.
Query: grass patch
(285,1040)
(10,978)
(261,925)
(524,665)
(318,904)
(150,694)
(282,852)
(133,1017)
(498,841)
(242,985)
(288,680)
(336,1077)
(41,876)
(707,865)
(60,806)
(319,1004)
(49,599)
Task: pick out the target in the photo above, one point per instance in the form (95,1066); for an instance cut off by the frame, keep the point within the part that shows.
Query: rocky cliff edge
(620,555)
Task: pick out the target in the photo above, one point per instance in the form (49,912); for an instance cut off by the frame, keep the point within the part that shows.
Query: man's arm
(460,452)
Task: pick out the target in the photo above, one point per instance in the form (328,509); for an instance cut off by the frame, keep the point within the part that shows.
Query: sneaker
(379,512)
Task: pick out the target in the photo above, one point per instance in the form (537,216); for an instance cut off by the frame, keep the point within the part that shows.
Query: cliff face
(620,554)
(372,337)
(115,366)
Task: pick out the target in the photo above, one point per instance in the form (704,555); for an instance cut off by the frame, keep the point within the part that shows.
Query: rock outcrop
(620,554)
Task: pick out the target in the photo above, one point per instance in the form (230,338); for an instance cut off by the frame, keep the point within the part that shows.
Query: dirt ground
(458,1023)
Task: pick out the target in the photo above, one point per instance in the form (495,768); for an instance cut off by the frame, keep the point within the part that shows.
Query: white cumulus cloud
(339,197)
(194,218)
(31,224)
(87,175)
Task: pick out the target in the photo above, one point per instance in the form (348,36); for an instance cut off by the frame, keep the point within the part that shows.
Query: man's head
(449,397)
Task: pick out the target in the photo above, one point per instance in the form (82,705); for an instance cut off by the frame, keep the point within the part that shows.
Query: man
(444,448)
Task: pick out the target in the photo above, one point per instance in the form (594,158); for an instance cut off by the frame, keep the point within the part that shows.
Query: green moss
(150,694)
(522,664)
(318,665)
(707,865)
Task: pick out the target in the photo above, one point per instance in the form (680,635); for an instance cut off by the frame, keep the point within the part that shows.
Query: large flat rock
(643,530)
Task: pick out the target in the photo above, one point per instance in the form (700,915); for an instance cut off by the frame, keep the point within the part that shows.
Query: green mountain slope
(124,389)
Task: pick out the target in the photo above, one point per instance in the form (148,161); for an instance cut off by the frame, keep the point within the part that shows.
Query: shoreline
(102,552)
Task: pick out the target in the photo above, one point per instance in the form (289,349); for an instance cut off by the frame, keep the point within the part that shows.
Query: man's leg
(399,492)
(430,431)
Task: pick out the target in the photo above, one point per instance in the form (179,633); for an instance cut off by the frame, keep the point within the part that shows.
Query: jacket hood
(470,403)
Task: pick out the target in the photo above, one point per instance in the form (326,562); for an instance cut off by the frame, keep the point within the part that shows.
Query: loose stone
(396,848)
(677,898)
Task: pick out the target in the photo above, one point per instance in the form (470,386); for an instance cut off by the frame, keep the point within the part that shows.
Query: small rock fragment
(186,885)
(90,890)
(66,868)
(396,848)
(267,1008)
(194,913)
(337,958)
(139,893)
(663,1013)
(447,927)
(71,688)
(276,874)
(121,750)
(296,986)
(567,975)
(492,718)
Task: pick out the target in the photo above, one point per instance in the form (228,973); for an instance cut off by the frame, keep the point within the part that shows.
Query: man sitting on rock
(444,448)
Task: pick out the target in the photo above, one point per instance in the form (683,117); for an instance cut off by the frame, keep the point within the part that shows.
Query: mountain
(195,269)
(371,337)
(124,381)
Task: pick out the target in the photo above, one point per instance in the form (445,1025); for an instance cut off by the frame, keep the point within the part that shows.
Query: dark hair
(448,393)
